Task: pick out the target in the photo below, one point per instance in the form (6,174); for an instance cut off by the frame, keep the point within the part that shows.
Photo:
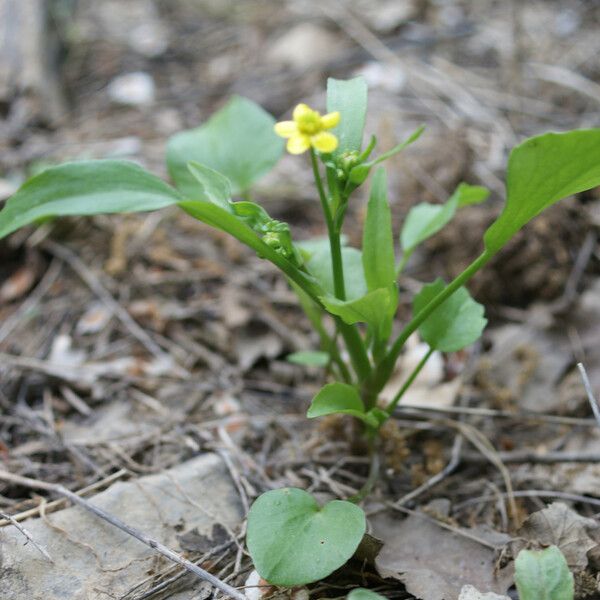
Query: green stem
(354,343)
(392,405)
(334,352)
(403,261)
(385,368)
(369,484)
(334,234)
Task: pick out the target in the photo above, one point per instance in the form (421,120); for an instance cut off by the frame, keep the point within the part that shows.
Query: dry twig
(28,536)
(590,393)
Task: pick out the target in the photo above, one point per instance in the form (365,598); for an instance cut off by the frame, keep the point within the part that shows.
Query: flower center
(309,123)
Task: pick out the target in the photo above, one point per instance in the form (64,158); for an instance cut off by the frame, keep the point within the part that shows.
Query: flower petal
(286,129)
(330,120)
(301,112)
(298,144)
(324,142)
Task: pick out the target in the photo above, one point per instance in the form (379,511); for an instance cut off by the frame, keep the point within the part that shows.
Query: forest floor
(130,345)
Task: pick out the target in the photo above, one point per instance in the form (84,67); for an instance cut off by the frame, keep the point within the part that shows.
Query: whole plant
(350,295)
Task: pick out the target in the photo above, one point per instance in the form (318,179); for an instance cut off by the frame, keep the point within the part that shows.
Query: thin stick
(417,410)
(28,536)
(532,494)
(116,522)
(590,394)
(32,512)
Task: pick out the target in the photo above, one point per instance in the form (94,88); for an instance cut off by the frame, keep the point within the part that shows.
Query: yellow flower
(309,129)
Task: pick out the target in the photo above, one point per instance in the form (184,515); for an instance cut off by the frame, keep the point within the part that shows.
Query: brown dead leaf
(255,341)
(95,318)
(561,526)
(18,284)
(434,563)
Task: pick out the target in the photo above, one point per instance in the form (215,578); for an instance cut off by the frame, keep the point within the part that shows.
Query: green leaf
(413,137)
(309,358)
(319,266)
(217,217)
(337,398)
(85,188)
(543,575)
(349,97)
(293,541)
(360,172)
(456,323)
(425,220)
(363,594)
(237,141)
(213,186)
(374,308)
(542,171)
(312,245)
(251,213)
(378,242)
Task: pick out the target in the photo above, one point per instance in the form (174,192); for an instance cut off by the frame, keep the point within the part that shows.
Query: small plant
(543,575)
(291,538)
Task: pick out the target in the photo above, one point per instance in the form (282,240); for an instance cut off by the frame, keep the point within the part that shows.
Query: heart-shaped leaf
(543,575)
(237,141)
(454,324)
(541,171)
(294,541)
(337,398)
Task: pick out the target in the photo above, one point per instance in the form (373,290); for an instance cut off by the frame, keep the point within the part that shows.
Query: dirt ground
(172,338)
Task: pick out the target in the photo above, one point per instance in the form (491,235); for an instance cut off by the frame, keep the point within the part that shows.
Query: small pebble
(133,89)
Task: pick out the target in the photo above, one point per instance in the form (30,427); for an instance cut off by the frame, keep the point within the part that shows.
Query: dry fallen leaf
(470,593)
(18,284)
(255,341)
(561,526)
(95,318)
(434,563)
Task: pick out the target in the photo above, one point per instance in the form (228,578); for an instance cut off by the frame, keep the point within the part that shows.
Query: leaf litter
(192,268)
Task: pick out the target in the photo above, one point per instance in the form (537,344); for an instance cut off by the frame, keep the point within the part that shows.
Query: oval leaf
(319,266)
(309,358)
(543,575)
(336,398)
(237,141)
(456,323)
(378,242)
(293,541)
(542,171)
(85,188)
(374,308)
(425,220)
(349,97)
